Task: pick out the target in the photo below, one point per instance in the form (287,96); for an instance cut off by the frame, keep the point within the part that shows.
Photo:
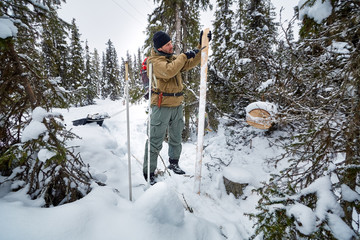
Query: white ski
(202,104)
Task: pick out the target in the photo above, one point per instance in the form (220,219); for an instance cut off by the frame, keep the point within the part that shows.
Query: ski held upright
(202,104)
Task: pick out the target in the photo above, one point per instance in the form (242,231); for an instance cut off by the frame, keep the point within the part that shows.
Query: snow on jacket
(167,71)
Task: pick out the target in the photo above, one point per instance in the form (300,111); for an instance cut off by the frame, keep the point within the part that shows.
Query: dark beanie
(160,39)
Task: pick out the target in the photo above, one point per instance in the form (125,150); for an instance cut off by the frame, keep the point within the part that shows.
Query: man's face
(167,48)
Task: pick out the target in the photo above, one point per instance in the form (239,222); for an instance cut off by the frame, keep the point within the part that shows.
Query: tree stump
(235,188)
(261,115)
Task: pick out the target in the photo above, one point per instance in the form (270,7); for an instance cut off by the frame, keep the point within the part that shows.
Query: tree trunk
(177,29)
(23,77)
(235,188)
(187,107)
(353,144)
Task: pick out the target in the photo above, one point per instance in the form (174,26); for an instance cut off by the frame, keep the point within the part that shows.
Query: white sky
(124,21)
(121,21)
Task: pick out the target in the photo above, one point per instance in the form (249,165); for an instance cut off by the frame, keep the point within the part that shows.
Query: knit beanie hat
(160,39)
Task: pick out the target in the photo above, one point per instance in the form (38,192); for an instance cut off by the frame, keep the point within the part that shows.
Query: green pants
(164,118)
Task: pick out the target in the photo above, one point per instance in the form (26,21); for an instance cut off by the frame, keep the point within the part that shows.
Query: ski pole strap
(178,94)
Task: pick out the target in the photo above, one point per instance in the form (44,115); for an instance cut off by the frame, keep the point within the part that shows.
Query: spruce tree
(54,57)
(224,58)
(54,46)
(27,95)
(89,74)
(75,80)
(136,89)
(223,35)
(243,43)
(103,80)
(180,19)
(96,72)
(112,87)
(321,91)
(259,39)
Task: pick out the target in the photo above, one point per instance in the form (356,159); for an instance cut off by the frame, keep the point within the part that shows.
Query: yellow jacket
(167,74)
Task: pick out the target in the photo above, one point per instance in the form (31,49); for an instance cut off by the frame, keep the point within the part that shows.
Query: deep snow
(160,212)
(170,209)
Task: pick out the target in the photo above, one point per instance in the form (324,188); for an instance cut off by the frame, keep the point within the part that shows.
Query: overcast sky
(124,21)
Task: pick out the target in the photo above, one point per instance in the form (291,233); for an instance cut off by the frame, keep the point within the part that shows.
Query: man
(166,100)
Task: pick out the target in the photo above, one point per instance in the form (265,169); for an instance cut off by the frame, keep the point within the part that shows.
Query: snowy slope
(160,212)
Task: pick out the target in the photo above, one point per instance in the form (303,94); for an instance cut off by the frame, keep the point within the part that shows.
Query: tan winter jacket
(167,72)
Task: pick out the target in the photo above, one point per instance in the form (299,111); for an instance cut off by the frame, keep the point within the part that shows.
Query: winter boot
(152,178)
(174,165)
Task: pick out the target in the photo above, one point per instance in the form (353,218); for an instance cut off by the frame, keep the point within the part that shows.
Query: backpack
(144,76)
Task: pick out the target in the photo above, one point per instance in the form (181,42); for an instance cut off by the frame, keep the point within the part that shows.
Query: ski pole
(128,127)
(149,124)
(118,113)
(203,48)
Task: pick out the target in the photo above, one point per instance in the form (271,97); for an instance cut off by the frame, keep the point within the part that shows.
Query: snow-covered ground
(168,210)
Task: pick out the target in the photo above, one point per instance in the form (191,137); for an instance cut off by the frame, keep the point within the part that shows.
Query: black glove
(209,36)
(146,96)
(190,54)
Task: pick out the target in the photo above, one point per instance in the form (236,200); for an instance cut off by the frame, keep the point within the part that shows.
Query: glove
(209,36)
(146,96)
(190,54)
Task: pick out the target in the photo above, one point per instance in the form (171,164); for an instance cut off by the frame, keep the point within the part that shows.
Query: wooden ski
(202,104)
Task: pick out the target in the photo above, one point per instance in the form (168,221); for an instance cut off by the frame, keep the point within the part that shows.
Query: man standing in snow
(166,100)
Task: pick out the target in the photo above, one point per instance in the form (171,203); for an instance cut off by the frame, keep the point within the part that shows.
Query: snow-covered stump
(236,180)
(261,115)
(235,188)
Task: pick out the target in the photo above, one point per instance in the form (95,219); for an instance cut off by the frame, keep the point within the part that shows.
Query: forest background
(313,79)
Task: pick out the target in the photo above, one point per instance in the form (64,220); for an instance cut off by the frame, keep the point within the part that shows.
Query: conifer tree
(223,36)
(89,75)
(96,72)
(27,94)
(180,19)
(259,38)
(112,87)
(322,94)
(136,89)
(104,87)
(224,58)
(122,73)
(54,56)
(54,46)
(75,81)
(242,48)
